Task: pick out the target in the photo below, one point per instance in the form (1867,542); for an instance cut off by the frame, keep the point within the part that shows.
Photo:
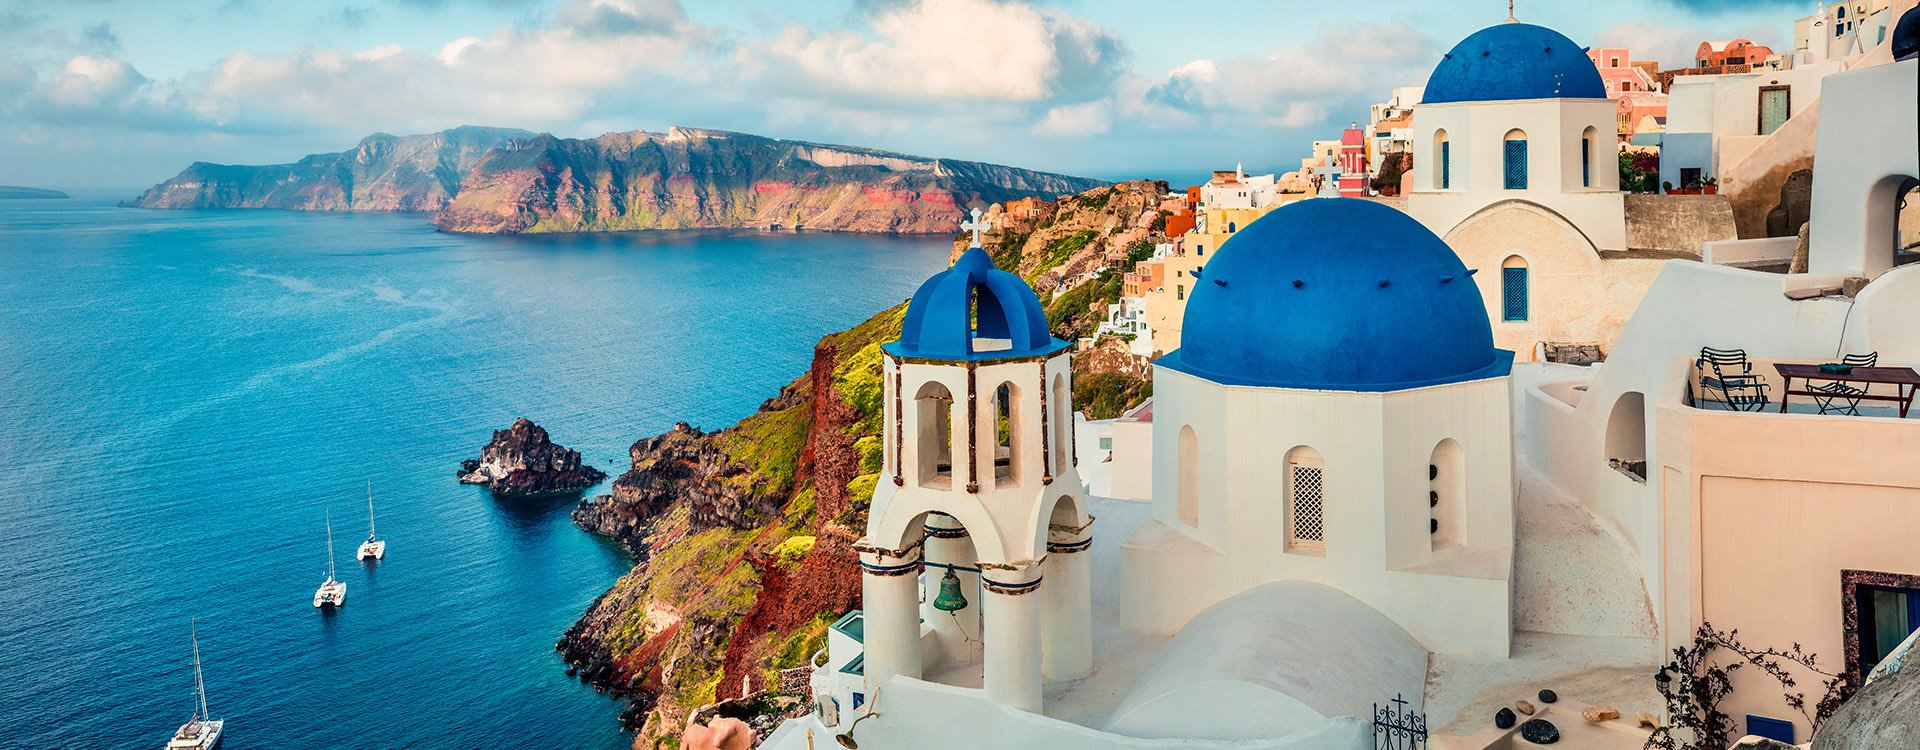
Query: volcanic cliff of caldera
(506,181)
(743,536)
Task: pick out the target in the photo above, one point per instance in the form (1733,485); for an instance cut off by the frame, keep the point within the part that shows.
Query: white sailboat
(373,548)
(202,731)
(332,593)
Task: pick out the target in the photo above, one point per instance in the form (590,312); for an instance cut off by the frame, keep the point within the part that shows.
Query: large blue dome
(1337,294)
(974,311)
(1514,61)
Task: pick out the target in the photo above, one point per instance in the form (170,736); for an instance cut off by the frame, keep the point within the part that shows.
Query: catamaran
(373,548)
(331,593)
(202,731)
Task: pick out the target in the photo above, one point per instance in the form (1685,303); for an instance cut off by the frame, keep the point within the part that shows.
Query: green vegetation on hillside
(1105,395)
(1058,251)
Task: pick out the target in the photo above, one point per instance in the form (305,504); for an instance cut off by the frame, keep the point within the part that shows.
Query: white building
(1337,413)
(1237,189)
(1128,318)
(983,489)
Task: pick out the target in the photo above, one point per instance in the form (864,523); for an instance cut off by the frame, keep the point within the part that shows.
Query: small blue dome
(941,321)
(1514,61)
(1337,294)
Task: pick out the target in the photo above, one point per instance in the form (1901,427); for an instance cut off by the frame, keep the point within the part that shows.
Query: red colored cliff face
(730,615)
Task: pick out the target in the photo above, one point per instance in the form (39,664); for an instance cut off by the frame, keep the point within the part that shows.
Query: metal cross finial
(976,226)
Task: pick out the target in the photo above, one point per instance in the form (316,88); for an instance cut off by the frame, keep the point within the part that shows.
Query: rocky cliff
(689,178)
(521,461)
(383,173)
(743,536)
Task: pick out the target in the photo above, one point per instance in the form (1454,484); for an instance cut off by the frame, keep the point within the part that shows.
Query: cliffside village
(1565,401)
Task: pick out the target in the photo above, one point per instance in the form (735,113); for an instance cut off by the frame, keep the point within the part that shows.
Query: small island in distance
(15,192)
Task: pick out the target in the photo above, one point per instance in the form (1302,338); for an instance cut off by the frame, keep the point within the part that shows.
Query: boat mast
(329,545)
(370,530)
(199,683)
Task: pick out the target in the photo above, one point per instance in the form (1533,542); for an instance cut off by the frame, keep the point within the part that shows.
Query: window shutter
(1513,292)
(1446,165)
(1516,164)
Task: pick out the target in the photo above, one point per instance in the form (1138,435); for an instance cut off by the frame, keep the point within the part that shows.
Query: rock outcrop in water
(688,178)
(522,462)
(383,173)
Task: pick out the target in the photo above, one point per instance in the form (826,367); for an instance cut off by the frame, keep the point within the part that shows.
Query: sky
(125,93)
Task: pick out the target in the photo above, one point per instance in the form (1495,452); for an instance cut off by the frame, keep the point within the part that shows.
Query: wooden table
(1904,380)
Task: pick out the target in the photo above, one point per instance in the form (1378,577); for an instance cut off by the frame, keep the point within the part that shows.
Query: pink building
(1353,162)
(1635,86)
(1618,72)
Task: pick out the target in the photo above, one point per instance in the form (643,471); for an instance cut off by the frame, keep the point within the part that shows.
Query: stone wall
(1767,200)
(1677,225)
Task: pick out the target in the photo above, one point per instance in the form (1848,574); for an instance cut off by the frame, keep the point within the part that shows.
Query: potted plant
(1709,186)
(1666,186)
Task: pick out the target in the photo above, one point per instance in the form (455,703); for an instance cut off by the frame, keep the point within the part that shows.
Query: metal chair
(1732,378)
(1838,396)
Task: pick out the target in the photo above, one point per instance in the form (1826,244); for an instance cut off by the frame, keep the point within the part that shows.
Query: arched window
(1306,501)
(1446,492)
(933,434)
(1513,289)
(1589,141)
(1232,227)
(1007,420)
(1443,150)
(1627,435)
(1188,489)
(1514,160)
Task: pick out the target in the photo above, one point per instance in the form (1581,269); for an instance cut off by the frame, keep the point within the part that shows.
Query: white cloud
(1087,118)
(970,50)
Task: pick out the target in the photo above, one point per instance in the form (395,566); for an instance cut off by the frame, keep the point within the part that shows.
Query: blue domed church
(974,563)
(1338,414)
(1516,154)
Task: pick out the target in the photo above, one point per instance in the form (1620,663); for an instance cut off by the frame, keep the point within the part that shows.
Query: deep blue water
(182,394)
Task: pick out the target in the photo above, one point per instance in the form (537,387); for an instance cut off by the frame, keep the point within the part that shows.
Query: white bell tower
(979,483)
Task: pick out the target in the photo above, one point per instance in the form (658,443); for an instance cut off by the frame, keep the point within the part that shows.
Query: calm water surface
(184,394)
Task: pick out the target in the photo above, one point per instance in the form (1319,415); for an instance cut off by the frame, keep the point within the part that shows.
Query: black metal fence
(1397,728)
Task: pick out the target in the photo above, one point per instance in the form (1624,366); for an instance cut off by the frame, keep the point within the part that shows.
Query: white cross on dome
(978,225)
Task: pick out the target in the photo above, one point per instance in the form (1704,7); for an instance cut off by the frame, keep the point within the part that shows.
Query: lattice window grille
(1513,292)
(1516,165)
(1308,526)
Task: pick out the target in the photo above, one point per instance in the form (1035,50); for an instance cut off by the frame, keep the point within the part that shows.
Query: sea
(187,398)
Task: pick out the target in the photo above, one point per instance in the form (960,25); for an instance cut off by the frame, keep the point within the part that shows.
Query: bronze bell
(950,598)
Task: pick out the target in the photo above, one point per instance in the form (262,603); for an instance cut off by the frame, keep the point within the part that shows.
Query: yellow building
(1167,303)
